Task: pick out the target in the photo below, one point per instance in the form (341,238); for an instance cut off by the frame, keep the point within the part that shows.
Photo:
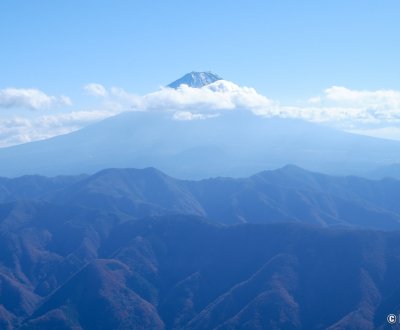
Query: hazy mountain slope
(136,192)
(237,143)
(388,171)
(292,194)
(33,186)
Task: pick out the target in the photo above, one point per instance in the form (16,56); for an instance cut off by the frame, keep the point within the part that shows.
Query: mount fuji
(195,79)
(235,143)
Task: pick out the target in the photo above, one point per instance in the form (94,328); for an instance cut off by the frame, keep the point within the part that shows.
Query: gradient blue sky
(285,49)
(289,51)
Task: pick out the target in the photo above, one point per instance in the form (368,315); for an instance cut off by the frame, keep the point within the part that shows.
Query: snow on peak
(195,79)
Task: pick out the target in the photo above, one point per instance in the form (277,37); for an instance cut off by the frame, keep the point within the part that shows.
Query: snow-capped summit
(196,79)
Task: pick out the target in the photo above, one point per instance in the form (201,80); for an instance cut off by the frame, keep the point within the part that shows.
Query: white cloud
(339,106)
(30,98)
(336,104)
(130,99)
(375,113)
(73,119)
(220,95)
(390,132)
(184,103)
(96,89)
(18,130)
(331,114)
(380,99)
(187,115)
(314,100)
(344,108)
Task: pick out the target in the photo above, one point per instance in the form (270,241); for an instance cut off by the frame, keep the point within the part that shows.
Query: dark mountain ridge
(290,194)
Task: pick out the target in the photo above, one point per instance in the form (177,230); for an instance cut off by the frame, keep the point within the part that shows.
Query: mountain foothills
(127,248)
(219,143)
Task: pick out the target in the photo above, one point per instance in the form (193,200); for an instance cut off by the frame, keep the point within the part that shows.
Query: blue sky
(287,50)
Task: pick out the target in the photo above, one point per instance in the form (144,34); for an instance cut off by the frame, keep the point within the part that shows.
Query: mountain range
(129,248)
(289,194)
(92,270)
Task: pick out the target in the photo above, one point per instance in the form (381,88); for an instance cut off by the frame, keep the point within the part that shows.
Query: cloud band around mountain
(336,104)
(365,112)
